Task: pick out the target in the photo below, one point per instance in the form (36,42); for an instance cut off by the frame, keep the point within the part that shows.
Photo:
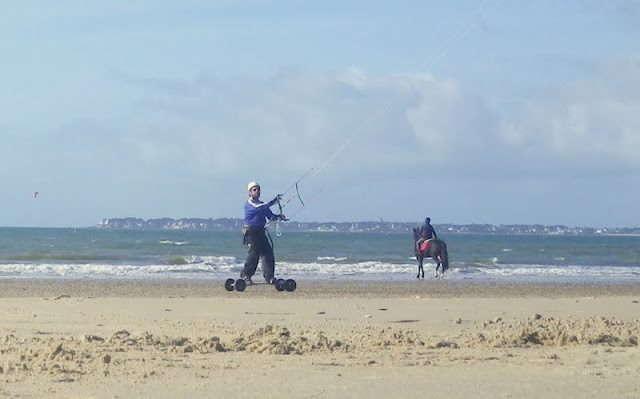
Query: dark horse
(437,250)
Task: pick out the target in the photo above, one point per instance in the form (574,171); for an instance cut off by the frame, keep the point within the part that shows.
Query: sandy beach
(414,339)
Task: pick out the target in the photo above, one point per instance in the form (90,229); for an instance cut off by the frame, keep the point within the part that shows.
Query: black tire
(241,285)
(280,284)
(229,284)
(290,285)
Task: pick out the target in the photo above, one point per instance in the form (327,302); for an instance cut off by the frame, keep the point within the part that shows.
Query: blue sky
(465,111)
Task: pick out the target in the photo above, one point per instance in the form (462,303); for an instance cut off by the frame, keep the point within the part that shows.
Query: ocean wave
(332,258)
(218,267)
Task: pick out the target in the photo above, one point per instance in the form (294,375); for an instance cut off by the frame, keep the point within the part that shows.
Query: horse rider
(427,232)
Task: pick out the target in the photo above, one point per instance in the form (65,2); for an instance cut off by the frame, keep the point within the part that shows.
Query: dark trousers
(259,247)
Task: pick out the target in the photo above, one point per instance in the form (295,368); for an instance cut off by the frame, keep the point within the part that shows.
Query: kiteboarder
(256,215)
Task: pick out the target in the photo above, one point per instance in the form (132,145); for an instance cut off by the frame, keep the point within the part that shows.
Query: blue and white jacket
(256,213)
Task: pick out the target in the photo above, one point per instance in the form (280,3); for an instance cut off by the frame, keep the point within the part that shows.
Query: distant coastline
(231,224)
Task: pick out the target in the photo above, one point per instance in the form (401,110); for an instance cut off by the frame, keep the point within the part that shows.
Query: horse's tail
(444,255)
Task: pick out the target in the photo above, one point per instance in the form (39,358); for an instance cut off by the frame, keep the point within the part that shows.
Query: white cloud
(582,128)
(354,121)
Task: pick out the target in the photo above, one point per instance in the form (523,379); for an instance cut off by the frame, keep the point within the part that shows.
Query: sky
(491,111)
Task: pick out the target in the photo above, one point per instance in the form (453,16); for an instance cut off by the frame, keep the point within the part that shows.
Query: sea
(94,253)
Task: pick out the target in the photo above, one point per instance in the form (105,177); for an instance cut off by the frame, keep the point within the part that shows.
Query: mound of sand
(541,331)
(91,354)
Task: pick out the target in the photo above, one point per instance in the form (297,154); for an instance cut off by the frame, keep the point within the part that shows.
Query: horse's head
(416,234)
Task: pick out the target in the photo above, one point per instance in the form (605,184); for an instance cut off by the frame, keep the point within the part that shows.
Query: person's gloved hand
(276,199)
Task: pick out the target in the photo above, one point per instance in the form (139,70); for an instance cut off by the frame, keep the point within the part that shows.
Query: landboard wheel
(280,284)
(290,285)
(241,284)
(229,284)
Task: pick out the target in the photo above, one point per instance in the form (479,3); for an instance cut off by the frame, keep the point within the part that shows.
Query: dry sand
(417,339)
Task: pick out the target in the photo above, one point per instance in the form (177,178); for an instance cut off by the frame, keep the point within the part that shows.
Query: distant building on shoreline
(228,224)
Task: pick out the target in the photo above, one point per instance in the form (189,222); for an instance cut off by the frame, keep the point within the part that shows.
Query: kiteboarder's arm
(268,214)
(275,200)
(272,216)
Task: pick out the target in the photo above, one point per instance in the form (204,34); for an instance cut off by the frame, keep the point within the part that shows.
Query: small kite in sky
(35,195)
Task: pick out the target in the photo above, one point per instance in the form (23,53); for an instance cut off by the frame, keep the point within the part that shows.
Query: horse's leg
(441,267)
(419,265)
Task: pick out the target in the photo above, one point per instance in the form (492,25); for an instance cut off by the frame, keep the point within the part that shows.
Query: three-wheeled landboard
(240,285)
